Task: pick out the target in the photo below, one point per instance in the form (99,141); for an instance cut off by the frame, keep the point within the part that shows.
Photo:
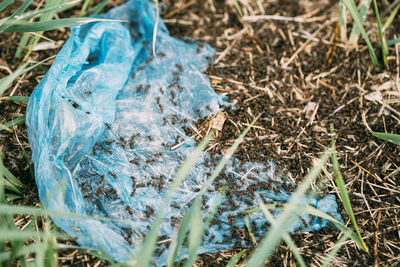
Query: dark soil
(325,84)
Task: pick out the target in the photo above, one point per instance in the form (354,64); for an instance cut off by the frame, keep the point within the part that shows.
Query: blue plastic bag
(102,122)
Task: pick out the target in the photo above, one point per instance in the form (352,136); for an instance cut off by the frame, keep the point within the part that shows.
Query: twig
(176,11)
(301,48)
(362,168)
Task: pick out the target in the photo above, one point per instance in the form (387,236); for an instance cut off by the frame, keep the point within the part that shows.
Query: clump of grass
(8,182)
(38,20)
(358,16)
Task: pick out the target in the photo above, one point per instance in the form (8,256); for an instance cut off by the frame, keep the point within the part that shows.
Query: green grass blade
(147,250)
(346,203)
(196,232)
(393,42)
(98,8)
(7,81)
(28,163)
(32,248)
(11,123)
(355,31)
(12,197)
(7,175)
(24,99)
(148,247)
(391,17)
(44,12)
(186,220)
(190,214)
(237,6)
(85,5)
(227,156)
(22,44)
(18,12)
(235,259)
(181,236)
(344,194)
(52,24)
(47,16)
(394,138)
(5,3)
(274,235)
(2,197)
(335,250)
(24,235)
(16,210)
(285,235)
(385,51)
(313,211)
(247,223)
(9,186)
(356,18)
(51,254)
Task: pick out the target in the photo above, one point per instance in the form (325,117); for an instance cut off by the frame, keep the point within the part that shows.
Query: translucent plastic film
(107,130)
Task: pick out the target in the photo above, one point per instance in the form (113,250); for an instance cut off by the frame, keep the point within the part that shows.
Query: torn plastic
(102,123)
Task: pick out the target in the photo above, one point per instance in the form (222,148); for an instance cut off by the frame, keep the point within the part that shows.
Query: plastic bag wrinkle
(102,123)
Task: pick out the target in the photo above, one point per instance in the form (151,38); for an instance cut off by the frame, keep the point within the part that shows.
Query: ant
(113,175)
(134,162)
(108,151)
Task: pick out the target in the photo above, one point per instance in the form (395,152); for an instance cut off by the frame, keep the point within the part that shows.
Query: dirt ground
(302,79)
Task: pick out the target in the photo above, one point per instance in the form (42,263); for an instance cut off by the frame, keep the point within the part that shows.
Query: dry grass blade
(342,21)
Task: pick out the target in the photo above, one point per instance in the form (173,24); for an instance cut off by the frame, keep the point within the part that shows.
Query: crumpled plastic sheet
(101,125)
